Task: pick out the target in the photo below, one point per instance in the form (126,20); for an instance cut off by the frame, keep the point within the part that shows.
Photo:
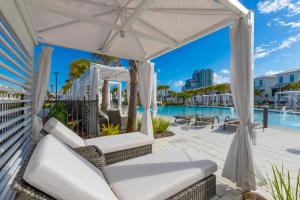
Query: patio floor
(274,146)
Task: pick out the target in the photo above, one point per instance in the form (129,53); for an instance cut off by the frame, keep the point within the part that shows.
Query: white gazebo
(226,99)
(141,30)
(92,81)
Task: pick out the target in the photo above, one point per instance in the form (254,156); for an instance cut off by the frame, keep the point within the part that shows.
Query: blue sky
(277,48)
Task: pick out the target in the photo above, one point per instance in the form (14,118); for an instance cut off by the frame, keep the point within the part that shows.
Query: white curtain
(39,90)
(240,165)
(154,96)
(145,72)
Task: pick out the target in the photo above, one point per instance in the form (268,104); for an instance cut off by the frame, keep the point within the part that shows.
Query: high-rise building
(200,78)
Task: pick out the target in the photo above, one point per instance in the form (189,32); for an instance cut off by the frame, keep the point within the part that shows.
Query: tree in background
(108,61)
(76,69)
(292,86)
(257,93)
(131,123)
(222,88)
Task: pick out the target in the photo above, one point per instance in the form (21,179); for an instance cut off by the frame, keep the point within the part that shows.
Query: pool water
(276,119)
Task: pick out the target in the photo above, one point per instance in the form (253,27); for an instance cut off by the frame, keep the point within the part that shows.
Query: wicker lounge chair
(117,182)
(206,119)
(187,118)
(115,148)
(115,118)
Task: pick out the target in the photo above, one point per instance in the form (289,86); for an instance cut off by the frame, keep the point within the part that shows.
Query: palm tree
(77,68)
(67,86)
(292,86)
(131,124)
(257,93)
(222,88)
(109,61)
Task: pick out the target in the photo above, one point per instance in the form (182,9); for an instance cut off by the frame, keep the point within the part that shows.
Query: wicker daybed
(201,190)
(115,148)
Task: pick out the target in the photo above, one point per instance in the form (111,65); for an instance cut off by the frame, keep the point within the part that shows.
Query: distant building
(269,85)
(200,78)
(265,84)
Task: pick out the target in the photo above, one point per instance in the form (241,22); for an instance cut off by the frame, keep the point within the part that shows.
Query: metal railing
(82,116)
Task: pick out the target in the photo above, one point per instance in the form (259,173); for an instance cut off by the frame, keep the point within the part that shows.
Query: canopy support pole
(120,96)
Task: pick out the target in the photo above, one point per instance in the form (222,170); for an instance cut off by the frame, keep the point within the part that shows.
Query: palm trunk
(104,104)
(131,124)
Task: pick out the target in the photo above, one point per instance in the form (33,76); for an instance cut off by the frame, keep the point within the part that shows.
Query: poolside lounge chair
(235,123)
(187,118)
(206,119)
(230,121)
(55,171)
(115,117)
(115,148)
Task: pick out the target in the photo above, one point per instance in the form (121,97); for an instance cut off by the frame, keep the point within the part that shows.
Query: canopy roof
(112,73)
(134,29)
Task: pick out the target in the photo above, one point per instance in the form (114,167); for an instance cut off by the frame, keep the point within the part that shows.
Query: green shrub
(59,112)
(160,125)
(110,129)
(280,186)
(47,105)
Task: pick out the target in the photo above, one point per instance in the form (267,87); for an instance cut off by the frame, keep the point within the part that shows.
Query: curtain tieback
(252,132)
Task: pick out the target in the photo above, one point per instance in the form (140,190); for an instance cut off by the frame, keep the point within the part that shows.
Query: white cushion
(63,133)
(157,176)
(114,143)
(58,171)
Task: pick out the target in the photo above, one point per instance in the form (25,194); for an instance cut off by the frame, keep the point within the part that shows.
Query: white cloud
(225,71)
(292,7)
(280,22)
(222,76)
(178,84)
(266,49)
(290,24)
(271,72)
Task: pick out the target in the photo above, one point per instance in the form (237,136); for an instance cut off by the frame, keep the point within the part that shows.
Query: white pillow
(63,133)
(58,171)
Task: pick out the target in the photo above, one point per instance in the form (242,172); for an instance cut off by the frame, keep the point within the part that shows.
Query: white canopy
(141,30)
(112,73)
(135,29)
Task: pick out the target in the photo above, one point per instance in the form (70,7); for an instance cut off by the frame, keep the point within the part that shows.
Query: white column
(120,96)
(109,96)
(94,86)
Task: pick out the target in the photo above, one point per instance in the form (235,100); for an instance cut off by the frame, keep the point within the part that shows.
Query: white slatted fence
(16,75)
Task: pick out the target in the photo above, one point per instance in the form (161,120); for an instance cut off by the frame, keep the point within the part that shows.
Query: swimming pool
(276,119)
